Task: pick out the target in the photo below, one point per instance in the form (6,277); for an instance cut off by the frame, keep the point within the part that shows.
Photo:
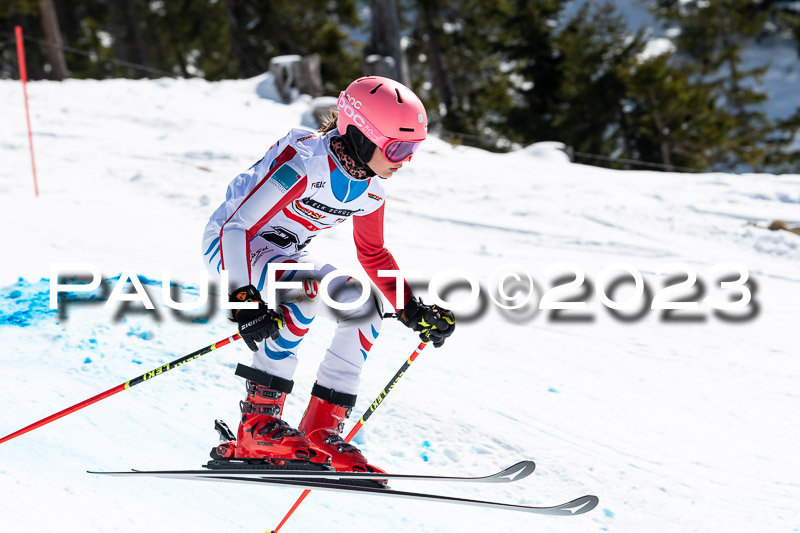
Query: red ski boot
(322,424)
(263,435)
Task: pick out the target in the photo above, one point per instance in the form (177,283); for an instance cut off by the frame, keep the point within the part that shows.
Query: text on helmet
(348,105)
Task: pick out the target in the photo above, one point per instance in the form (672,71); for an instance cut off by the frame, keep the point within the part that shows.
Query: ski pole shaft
(123,386)
(385,392)
(363,420)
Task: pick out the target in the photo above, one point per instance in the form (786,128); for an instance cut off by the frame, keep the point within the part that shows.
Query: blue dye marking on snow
(425,444)
(551,389)
(92,341)
(144,279)
(608,513)
(138,332)
(25,303)
(136,361)
(87,361)
(374,333)
(364,354)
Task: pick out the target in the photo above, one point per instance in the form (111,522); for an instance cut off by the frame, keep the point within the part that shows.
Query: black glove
(255,325)
(433,323)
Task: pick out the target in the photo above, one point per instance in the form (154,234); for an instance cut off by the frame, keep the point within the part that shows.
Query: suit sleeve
(373,256)
(280,181)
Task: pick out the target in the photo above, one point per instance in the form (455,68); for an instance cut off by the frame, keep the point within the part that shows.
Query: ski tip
(514,472)
(523,469)
(582,505)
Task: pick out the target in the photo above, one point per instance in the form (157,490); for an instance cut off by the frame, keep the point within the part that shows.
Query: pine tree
(86,28)
(270,28)
(597,54)
(674,117)
(12,13)
(783,20)
(712,35)
(791,20)
(536,68)
(454,43)
(181,38)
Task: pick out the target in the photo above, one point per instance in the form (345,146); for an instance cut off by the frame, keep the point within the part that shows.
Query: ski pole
(123,386)
(368,413)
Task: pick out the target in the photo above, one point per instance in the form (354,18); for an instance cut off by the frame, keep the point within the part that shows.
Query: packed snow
(678,424)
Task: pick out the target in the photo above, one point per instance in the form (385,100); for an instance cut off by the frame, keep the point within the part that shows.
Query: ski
(513,473)
(581,505)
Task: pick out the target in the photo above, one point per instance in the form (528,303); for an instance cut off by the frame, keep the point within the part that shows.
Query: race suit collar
(345,158)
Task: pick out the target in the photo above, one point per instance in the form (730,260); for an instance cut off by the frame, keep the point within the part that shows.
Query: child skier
(308,182)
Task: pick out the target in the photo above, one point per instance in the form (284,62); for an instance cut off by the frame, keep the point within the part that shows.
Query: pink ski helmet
(387,113)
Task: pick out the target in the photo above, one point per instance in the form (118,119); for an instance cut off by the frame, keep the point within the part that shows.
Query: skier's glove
(433,323)
(255,325)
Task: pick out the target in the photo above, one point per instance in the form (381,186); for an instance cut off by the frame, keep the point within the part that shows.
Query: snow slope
(677,426)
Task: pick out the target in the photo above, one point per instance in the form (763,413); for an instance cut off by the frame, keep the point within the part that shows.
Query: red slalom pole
(23,76)
(123,386)
(368,413)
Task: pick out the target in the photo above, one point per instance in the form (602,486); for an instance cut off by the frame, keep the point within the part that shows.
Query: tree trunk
(446,92)
(733,78)
(626,133)
(69,21)
(244,53)
(385,42)
(664,144)
(137,45)
(116,25)
(52,33)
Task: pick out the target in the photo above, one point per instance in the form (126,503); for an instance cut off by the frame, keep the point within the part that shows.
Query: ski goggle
(396,151)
